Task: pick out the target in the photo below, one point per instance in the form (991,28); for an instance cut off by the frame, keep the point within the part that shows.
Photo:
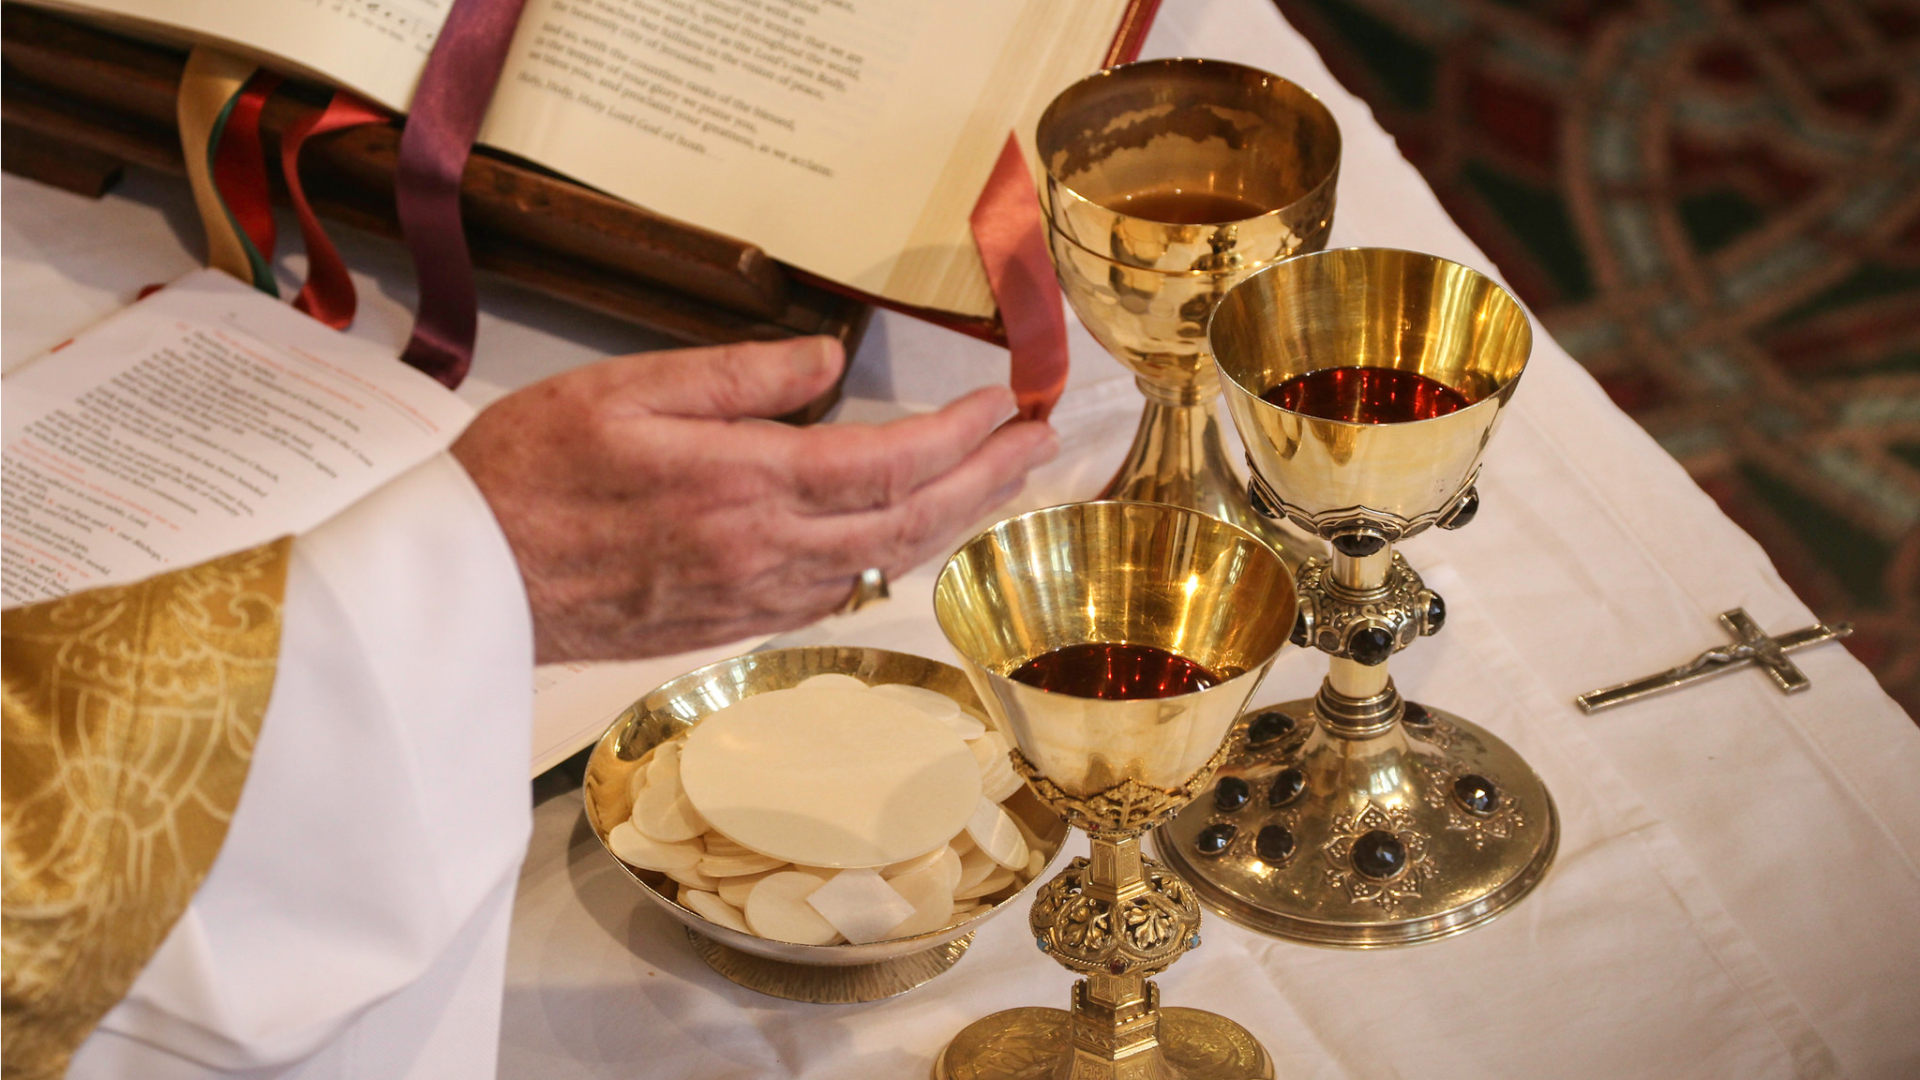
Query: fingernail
(814,360)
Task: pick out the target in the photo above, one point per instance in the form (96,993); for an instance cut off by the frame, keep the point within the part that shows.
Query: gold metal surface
(1037,1044)
(1356,774)
(1369,307)
(841,972)
(1462,872)
(840,985)
(1113,572)
(1145,288)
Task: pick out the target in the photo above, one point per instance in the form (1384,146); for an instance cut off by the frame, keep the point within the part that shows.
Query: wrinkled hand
(652,511)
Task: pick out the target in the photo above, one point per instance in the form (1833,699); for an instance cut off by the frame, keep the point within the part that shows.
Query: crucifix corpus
(1752,646)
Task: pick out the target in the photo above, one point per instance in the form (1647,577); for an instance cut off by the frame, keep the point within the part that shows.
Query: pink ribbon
(1012,238)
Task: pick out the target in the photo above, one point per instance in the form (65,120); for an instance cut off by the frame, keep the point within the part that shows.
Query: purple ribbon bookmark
(447,109)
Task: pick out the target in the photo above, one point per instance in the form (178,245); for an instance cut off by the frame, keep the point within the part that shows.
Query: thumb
(753,378)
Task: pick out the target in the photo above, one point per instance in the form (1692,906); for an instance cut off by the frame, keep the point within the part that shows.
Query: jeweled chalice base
(1430,829)
(1037,1044)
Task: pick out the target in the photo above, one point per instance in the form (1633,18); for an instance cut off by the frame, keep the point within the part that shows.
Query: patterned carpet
(1715,206)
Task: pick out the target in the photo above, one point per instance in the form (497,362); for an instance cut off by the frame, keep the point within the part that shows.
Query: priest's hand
(652,510)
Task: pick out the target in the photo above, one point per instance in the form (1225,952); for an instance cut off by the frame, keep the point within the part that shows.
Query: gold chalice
(1366,383)
(1167,182)
(1115,644)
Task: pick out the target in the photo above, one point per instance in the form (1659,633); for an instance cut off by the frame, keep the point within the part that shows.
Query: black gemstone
(1477,794)
(1273,844)
(1358,545)
(1214,838)
(1258,498)
(1231,793)
(1463,510)
(1436,613)
(1416,715)
(1379,855)
(1287,787)
(1370,645)
(1268,726)
(1299,635)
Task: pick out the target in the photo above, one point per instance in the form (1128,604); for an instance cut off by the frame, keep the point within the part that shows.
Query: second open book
(848,138)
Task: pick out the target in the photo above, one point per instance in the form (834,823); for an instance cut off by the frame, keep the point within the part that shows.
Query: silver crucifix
(1753,647)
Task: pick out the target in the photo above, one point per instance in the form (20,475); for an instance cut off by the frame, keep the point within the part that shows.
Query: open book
(847,138)
(208,418)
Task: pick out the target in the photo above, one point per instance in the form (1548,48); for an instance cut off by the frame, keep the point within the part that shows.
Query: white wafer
(975,865)
(996,834)
(932,902)
(734,890)
(777,908)
(713,909)
(992,883)
(861,905)
(634,847)
(692,878)
(726,866)
(662,809)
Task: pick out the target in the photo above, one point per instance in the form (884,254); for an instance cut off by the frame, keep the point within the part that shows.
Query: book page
(818,129)
(375,47)
(204,419)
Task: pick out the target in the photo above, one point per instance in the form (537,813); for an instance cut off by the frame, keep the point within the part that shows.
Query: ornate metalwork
(1331,612)
(1128,808)
(1507,818)
(1389,893)
(1137,934)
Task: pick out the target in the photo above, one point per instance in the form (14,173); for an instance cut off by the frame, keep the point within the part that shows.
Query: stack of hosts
(266,813)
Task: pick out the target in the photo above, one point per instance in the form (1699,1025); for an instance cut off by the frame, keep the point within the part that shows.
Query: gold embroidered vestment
(130,720)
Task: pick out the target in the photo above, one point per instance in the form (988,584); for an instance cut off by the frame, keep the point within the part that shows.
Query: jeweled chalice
(1366,383)
(1115,645)
(1167,182)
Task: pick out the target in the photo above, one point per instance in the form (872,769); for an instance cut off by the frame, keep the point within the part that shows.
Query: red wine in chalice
(1114,672)
(1367,395)
(1172,206)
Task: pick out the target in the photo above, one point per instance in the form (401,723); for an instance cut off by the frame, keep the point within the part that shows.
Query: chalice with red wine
(1167,182)
(1114,644)
(1365,383)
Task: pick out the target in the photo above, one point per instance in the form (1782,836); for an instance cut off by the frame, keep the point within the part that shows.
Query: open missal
(847,138)
(208,418)
(202,420)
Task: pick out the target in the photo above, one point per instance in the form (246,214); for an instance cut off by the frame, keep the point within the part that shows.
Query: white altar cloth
(1738,883)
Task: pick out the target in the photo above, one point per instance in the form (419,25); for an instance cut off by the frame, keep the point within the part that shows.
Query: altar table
(1737,890)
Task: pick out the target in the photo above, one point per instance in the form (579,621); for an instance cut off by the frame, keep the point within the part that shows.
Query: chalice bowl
(1365,384)
(1115,644)
(1168,181)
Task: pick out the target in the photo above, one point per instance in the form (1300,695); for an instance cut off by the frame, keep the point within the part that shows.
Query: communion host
(264,816)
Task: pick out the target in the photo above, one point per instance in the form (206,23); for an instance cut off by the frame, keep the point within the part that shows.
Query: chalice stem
(1349,678)
(1179,458)
(1116,1019)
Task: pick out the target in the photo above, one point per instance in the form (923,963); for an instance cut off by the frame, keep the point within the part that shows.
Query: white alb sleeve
(354,924)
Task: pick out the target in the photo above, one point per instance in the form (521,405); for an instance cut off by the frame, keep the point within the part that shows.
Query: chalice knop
(1167,182)
(1103,589)
(1366,383)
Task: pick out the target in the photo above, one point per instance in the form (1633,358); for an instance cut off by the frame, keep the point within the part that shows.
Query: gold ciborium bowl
(1103,580)
(1167,182)
(816,973)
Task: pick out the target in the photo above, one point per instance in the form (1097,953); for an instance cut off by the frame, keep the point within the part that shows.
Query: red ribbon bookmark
(1012,238)
(328,295)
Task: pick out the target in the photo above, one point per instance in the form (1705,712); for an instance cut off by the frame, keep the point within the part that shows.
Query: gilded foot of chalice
(1366,383)
(1167,182)
(1115,645)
